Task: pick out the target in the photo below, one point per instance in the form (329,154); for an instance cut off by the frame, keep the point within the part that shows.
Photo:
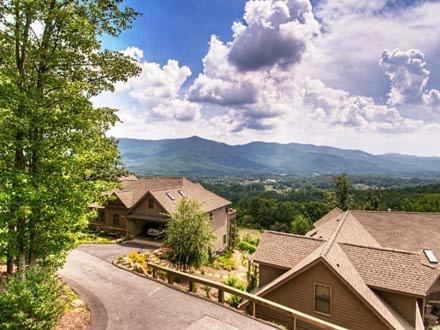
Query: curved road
(126,301)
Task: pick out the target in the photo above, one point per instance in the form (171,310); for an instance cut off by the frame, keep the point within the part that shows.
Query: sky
(344,73)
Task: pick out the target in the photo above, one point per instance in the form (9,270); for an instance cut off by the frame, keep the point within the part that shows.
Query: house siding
(220,225)
(346,308)
(405,305)
(268,274)
(142,209)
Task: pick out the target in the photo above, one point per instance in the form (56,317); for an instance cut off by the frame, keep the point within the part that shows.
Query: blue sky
(178,29)
(345,73)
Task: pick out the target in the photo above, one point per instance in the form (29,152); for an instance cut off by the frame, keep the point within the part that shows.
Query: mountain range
(195,156)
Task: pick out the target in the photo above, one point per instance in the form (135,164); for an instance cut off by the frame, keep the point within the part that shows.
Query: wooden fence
(253,300)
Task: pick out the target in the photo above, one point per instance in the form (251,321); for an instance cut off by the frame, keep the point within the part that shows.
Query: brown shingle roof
(369,250)
(284,250)
(394,270)
(133,191)
(410,231)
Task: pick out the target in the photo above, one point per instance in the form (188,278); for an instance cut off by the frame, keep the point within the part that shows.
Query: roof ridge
(380,248)
(166,188)
(404,212)
(293,235)
(335,233)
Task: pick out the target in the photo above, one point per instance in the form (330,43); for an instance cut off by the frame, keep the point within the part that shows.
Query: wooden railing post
(294,323)
(253,308)
(190,286)
(154,272)
(170,278)
(221,296)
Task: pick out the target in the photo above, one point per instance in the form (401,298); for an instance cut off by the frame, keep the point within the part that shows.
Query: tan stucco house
(356,269)
(140,205)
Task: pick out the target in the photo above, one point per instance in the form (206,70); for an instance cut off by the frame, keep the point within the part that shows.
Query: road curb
(98,313)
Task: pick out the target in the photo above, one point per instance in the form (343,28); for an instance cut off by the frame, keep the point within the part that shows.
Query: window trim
(330,299)
(150,203)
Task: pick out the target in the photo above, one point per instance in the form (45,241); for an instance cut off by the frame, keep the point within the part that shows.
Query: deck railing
(253,300)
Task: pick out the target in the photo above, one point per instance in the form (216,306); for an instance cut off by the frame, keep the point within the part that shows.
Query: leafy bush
(225,262)
(189,234)
(236,283)
(245,246)
(138,261)
(248,238)
(32,302)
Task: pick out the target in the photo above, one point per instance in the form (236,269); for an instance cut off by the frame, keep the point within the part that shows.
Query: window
(101,216)
(224,239)
(170,196)
(150,203)
(182,193)
(226,209)
(116,219)
(430,256)
(323,299)
(211,215)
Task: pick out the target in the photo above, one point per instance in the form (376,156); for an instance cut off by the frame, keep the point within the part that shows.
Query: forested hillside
(276,209)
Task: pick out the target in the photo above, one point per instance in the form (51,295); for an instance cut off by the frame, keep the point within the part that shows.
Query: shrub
(138,261)
(248,238)
(225,262)
(189,234)
(236,283)
(245,246)
(31,302)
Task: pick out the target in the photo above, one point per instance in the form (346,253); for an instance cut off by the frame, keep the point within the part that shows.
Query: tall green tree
(55,158)
(189,234)
(342,187)
(301,225)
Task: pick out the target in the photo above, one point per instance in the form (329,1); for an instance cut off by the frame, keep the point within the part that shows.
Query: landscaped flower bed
(230,268)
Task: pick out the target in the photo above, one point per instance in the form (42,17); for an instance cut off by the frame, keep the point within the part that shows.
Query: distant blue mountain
(196,156)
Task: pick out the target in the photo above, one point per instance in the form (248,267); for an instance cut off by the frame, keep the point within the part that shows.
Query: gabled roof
(368,251)
(279,249)
(132,192)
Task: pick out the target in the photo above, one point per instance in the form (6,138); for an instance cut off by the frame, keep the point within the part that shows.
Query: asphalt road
(121,300)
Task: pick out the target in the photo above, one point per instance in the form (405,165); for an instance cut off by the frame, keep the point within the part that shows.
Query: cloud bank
(295,73)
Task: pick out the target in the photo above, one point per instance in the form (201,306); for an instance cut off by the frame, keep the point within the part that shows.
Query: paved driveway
(132,302)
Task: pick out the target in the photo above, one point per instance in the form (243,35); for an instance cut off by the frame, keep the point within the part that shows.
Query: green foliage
(189,234)
(225,261)
(252,277)
(424,203)
(301,225)
(342,188)
(245,246)
(236,283)
(248,238)
(56,158)
(32,302)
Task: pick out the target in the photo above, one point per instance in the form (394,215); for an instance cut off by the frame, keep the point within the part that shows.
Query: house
(356,269)
(140,207)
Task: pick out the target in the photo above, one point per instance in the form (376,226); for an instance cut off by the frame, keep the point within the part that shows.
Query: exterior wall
(405,305)
(268,274)
(220,224)
(346,309)
(115,207)
(143,209)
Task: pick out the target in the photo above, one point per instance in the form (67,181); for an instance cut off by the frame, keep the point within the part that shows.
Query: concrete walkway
(132,302)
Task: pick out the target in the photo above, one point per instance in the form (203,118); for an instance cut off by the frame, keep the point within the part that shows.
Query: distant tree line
(296,210)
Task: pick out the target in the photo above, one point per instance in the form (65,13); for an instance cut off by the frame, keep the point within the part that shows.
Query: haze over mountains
(195,156)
